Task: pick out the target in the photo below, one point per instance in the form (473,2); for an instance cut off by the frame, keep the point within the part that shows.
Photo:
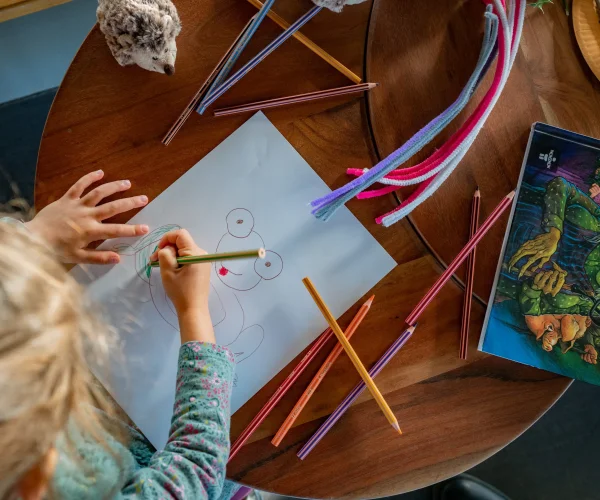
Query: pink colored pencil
(280,392)
(318,378)
(468,298)
(295,99)
(189,109)
(460,258)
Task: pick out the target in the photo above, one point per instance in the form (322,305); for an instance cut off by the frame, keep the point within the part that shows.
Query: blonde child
(58,433)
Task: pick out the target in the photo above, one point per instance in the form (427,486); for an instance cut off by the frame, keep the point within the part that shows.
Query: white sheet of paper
(251,191)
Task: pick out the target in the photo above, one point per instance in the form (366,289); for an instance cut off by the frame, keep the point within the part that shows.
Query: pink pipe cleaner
(439,156)
(498,79)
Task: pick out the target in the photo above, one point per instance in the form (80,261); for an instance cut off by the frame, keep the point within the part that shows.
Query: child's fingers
(184,242)
(96,195)
(77,189)
(167,257)
(113,208)
(154,256)
(97,257)
(108,231)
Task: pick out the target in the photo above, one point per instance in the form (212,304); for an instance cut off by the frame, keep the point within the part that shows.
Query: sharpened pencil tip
(511,195)
(370,300)
(477,192)
(396,426)
(411,329)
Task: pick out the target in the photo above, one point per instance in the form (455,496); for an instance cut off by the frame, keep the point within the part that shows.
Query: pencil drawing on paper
(234,277)
(243,275)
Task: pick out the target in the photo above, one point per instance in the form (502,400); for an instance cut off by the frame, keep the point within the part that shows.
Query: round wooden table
(454,414)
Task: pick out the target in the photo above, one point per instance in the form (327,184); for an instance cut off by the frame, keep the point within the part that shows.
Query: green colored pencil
(199,259)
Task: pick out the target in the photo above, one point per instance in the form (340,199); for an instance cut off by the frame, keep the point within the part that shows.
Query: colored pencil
(357,391)
(295,99)
(193,104)
(239,48)
(280,392)
(307,42)
(352,354)
(460,258)
(199,259)
(318,378)
(250,65)
(468,299)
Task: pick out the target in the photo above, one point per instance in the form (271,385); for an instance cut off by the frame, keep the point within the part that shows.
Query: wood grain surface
(453,414)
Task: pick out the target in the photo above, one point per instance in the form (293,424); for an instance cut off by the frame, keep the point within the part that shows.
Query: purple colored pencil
(357,391)
(250,65)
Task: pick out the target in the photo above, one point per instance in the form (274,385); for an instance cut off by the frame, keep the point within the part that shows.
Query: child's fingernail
(126,184)
(114,259)
(99,172)
(144,228)
(144,199)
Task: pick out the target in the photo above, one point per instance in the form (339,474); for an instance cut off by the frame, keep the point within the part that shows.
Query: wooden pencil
(352,355)
(198,96)
(460,258)
(280,392)
(394,349)
(318,378)
(256,60)
(307,42)
(468,298)
(199,259)
(295,99)
(239,48)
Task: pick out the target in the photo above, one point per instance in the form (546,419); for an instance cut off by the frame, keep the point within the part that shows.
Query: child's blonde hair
(47,333)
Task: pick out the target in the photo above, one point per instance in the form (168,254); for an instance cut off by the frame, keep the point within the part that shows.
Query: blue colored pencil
(239,48)
(250,65)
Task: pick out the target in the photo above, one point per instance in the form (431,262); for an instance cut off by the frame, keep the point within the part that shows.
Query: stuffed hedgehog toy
(336,5)
(141,32)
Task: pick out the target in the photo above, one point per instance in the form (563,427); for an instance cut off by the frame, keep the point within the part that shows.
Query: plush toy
(336,5)
(141,32)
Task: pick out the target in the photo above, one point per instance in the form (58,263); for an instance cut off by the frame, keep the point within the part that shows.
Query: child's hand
(71,223)
(187,286)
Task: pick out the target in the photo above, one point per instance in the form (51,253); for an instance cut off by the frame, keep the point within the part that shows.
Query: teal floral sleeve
(194,460)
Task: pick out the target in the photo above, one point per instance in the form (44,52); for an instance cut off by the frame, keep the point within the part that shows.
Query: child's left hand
(74,221)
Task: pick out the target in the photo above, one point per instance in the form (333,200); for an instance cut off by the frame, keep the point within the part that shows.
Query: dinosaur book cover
(544,309)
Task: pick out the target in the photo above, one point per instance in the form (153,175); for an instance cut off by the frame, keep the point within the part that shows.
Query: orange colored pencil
(318,378)
(358,364)
(468,299)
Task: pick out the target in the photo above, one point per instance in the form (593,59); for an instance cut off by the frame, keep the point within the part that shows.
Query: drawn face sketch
(141,252)
(243,275)
(229,322)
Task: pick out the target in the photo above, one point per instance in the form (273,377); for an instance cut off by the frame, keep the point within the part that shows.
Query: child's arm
(193,463)
(74,221)
(187,286)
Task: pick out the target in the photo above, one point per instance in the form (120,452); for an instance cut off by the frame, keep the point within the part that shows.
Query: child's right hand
(187,286)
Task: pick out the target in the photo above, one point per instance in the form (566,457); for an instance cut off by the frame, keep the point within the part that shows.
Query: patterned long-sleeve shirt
(193,462)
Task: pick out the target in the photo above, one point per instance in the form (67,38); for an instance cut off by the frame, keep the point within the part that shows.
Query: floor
(554,460)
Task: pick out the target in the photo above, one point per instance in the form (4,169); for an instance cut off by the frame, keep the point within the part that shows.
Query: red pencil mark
(223,271)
